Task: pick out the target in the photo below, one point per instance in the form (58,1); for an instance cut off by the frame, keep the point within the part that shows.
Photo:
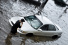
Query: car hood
(26,27)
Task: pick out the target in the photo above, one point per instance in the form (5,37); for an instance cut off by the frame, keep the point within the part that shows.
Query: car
(37,25)
(36,2)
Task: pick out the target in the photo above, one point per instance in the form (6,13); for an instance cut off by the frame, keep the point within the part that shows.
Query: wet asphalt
(11,8)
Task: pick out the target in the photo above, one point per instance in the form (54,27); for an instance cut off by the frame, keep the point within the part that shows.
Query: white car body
(27,28)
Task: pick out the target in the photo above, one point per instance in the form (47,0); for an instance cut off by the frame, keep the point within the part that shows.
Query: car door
(48,30)
(37,32)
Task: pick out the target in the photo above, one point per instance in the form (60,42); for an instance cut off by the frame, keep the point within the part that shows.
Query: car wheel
(55,37)
(29,34)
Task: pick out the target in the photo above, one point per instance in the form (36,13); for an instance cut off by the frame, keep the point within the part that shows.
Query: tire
(55,37)
(29,34)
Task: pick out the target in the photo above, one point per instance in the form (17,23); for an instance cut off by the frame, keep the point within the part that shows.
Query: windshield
(33,21)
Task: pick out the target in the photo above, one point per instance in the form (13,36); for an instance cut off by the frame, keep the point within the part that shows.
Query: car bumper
(21,32)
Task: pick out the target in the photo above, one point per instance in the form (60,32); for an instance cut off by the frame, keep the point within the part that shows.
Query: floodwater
(11,8)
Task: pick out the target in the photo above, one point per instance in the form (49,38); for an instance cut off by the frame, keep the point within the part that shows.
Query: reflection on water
(27,39)
(38,38)
(8,40)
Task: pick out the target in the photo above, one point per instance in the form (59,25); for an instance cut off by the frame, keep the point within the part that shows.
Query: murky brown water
(10,8)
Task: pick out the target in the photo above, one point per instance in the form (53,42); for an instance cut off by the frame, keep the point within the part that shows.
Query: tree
(42,6)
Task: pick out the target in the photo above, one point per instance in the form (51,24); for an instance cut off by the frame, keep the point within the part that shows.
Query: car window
(33,21)
(48,27)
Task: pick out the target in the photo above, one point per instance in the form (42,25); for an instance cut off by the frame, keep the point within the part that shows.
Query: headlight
(22,31)
(19,29)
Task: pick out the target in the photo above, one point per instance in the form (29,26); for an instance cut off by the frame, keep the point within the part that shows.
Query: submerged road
(11,8)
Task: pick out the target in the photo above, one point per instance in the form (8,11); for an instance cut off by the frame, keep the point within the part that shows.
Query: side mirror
(39,30)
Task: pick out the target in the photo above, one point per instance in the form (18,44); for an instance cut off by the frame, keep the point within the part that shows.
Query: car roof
(44,19)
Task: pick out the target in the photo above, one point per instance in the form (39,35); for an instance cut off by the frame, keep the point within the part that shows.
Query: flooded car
(37,25)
